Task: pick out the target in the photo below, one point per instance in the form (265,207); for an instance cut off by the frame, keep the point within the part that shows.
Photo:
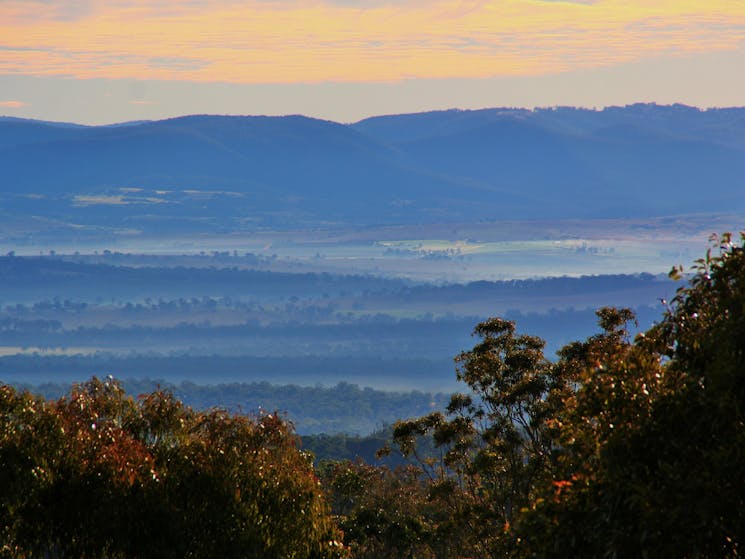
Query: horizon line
(534,109)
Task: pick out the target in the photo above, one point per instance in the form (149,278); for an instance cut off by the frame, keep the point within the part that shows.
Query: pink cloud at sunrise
(13,104)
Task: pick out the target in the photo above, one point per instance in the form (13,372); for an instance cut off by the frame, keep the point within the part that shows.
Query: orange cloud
(13,104)
(288,41)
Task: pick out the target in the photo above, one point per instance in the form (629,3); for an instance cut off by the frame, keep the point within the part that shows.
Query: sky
(97,61)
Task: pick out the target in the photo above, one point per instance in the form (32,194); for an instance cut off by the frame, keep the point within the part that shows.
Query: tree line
(344,408)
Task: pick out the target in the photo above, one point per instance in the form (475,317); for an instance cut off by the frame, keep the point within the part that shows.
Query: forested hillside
(212,173)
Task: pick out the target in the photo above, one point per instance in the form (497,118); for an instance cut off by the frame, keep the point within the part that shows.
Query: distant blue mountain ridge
(195,171)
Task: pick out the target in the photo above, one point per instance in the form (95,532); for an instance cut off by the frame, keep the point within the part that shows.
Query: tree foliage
(379,510)
(620,448)
(653,458)
(98,474)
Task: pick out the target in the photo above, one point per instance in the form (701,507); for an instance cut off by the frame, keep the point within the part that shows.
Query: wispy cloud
(289,41)
(572,1)
(13,104)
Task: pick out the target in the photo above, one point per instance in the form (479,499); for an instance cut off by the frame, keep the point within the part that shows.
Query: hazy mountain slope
(15,131)
(636,160)
(397,129)
(725,126)
(209,152)
(640,160)
(511,155)
(288,164)
(675,175)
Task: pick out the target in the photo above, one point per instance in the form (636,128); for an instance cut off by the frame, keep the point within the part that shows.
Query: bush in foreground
(98,474)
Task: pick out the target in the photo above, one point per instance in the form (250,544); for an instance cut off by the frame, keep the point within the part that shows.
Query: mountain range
(237,172)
